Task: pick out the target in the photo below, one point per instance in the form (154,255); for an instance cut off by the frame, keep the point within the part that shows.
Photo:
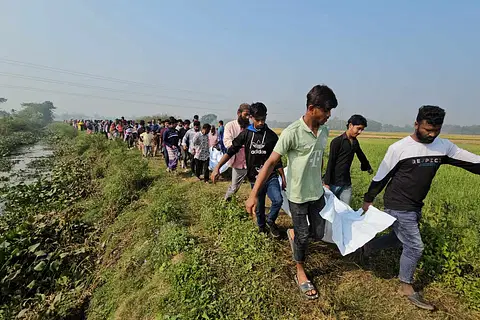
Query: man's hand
(215,174)
(284,184)
(185,148)
(370,171)
(327,186)
(251,205)
(365,206)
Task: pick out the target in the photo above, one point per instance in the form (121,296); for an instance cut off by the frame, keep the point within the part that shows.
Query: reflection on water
(23,171)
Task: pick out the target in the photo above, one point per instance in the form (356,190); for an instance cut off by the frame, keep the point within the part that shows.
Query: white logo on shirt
(315,158)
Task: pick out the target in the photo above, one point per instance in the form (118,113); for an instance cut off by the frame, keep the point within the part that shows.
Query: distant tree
(42,110)
(209,118)
(336,124)
(374,126)
(2,100)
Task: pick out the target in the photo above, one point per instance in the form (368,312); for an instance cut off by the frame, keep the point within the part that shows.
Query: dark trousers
(302,229)
(201,166)
(192,161)
(165,155)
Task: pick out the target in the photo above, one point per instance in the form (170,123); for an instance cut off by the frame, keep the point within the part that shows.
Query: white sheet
(215,156)
(347,228)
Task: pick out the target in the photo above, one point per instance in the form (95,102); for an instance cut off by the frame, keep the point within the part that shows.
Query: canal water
(23,170)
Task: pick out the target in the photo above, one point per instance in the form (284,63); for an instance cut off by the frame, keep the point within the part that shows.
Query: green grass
(179,252)
(163,246)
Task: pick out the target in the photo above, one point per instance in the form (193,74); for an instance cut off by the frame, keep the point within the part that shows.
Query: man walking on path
(259,141)
(303,142)
(220,132)
(237,163)
(342,150)
(170,140)
(202,153)
(181,134)
(407,171)
(187,144)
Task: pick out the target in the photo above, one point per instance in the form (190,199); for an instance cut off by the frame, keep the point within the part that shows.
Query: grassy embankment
(202,258)
(122,239)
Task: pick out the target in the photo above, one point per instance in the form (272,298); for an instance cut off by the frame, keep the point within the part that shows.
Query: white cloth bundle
(347,228)
(215,156)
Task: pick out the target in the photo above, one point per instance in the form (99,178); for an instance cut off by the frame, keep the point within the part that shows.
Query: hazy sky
(383,59)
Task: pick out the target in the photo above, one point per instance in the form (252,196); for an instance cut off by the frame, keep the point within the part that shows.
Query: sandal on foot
(305,287)
(418,301)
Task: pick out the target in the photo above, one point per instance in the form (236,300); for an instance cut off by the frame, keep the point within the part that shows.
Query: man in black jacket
(259,141)
(342,150)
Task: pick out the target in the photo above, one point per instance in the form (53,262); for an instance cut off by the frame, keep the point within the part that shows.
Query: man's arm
(164,135)
(237,144)
(364,164)
(385,172)
(285,143)
(332,160)
(262,177)
(196,140)
(228,136)
(281,172)
(459,157)
(185,139)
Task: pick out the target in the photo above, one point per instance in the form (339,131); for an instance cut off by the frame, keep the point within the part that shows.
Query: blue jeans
(147,150)
(344,193)
(272,189)
(405,232)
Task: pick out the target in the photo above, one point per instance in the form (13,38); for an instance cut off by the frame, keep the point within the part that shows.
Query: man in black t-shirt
(342,151)
(259,141)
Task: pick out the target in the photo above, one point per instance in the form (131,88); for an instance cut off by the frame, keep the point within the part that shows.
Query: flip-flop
(418,301)
(305,287)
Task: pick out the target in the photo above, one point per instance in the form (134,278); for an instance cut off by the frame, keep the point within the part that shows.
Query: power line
(100,77)
(104,98)
(81,85)
(112,99)
(112,79)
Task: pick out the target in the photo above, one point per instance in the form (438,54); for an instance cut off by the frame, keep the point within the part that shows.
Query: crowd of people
(254,152)
(181,143)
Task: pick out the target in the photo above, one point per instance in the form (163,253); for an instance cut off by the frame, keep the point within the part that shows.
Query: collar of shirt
(307,128)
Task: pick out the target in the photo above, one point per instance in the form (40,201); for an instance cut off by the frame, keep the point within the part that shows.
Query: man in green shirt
(303,142)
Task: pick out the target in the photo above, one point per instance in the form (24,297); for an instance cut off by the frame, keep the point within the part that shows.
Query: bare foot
(406,289)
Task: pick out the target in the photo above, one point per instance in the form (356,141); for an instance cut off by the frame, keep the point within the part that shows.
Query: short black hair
(186,122)
(220,122)
(166,121)
(207,127)
(196,123)
(433,115)
(357,120)
(322,97)
(179,120)
(195,117)
(258,109)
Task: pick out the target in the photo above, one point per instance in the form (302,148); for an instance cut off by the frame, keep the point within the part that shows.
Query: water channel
(23,169)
